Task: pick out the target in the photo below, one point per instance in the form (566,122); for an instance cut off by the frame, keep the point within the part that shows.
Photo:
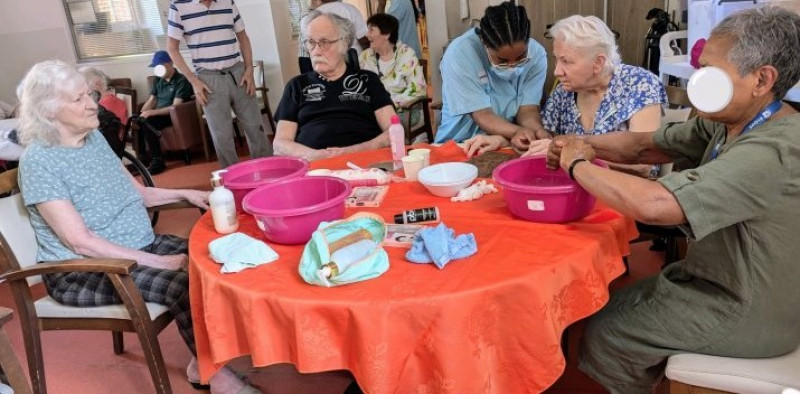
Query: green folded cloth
(239,251)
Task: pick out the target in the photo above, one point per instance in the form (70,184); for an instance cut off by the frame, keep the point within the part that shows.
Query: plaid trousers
(166,287)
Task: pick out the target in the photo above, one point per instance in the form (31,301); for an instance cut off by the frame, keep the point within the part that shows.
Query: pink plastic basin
(244,177)
(536,193)
(289,210)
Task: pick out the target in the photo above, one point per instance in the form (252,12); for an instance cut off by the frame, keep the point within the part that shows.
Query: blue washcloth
(439,245)
(239,251)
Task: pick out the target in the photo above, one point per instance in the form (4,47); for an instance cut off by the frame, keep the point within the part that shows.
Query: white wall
(28,36)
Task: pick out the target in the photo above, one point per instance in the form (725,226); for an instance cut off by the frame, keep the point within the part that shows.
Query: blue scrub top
(469,84)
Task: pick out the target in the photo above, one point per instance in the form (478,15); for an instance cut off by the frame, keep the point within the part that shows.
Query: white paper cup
(411,166)
(425,153)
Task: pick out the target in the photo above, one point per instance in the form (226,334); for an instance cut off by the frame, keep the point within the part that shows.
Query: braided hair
(504,24)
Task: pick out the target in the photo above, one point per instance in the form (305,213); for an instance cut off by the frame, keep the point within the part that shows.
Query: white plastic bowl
(447,179)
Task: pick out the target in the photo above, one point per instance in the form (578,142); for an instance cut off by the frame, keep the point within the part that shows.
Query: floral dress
(631,89)
(402,76)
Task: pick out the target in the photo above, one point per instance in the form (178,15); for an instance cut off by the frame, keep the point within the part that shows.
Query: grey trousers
(226,94)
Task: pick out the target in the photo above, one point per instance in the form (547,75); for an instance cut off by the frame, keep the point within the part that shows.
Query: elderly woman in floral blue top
(596,94)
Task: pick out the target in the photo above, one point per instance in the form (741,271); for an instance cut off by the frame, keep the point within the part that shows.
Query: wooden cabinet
(627,17)
(546,12)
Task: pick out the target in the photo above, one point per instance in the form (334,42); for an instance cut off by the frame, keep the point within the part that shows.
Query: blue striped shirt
(209,32)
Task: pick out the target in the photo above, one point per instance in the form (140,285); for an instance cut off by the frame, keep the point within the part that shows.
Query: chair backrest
(677,97)
(259,77)
(128,95)
(17,240)
(352,58)
(668,42)
(121,82)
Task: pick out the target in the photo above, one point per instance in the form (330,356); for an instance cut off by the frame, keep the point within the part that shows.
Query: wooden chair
(422,104)
(260,78)
(8,361)
(123,89)
(19,268)
(678,98)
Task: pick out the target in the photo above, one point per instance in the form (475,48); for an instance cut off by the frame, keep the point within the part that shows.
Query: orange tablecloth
(491,323)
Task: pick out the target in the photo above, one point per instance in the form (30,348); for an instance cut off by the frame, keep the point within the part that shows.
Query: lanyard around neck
(762,117)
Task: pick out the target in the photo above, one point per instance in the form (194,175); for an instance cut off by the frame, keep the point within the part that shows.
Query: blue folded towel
(439,245)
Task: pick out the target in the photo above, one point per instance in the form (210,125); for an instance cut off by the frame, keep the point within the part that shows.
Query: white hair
(42,95)
(96,79)
(347,33)
(764,36)
(590,34)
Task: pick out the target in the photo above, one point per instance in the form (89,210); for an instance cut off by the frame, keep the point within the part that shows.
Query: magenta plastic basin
(289,210)
(536,193)
(243,177)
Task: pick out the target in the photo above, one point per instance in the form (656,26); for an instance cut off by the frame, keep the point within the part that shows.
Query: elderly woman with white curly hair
(596,93)
(82,202)
(336,108)
(737,199)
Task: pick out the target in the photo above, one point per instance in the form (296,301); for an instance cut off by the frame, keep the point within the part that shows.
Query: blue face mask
(507,74)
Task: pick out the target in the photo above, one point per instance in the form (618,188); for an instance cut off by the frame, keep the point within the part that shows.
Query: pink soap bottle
(397,137)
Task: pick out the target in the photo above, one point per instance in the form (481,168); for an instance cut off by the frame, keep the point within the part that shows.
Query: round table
(488,323)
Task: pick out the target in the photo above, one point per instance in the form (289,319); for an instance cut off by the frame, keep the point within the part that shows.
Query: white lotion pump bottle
(223,208)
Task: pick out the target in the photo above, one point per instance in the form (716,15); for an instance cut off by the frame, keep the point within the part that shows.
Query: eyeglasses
(323,44)
(507,65)
(518,63)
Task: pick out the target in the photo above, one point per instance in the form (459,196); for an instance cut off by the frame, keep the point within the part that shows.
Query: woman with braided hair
(493,76)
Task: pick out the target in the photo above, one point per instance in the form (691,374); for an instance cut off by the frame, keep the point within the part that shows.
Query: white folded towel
(239,251)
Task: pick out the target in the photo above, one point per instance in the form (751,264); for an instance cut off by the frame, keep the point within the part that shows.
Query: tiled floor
(83,362)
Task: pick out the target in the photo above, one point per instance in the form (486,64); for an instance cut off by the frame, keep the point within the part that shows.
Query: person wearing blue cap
(170,88)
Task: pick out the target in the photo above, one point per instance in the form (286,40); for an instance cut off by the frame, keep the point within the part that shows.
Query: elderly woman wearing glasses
(596,93)
(336,108)
(492,79)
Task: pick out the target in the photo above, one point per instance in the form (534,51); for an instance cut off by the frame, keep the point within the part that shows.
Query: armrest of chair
(421,100)
(436,105)
(186,131)
(5,315)
(108,266)
(184,116)
(8,181)
(183,112)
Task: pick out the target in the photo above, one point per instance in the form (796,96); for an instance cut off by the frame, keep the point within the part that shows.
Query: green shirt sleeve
(741,184)
(184,90)
(686,142)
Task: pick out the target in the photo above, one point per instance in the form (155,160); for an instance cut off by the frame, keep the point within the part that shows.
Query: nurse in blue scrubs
(493,78)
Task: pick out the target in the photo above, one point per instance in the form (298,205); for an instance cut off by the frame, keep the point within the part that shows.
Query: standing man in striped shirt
(223,62)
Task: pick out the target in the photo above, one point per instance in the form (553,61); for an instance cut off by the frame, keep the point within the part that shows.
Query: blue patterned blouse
(631,89)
